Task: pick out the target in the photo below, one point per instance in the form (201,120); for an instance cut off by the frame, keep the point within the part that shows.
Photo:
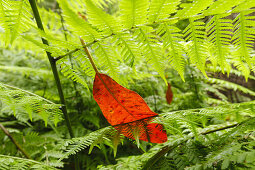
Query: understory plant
(203,48)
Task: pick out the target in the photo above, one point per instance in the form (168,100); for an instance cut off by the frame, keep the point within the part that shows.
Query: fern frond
(133,12)
(244,36)
(77,24)
(17,16)
(151,50)
(108,62)
(102,21)
(71,73)
(128,48)
(219,31)
(19,102)
(194,33)
(75,145)
(161,9)
(247,4)
(230,85)
(193,8)
(221,6)
(171,41)
(16,163)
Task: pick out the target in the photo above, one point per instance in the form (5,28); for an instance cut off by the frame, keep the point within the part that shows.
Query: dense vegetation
(203,48)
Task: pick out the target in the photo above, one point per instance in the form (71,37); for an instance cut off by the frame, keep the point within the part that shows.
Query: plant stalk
(56,76)
(89,55)
(14,141)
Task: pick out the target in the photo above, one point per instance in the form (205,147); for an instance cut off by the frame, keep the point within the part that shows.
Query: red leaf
(126,110)
(169,94)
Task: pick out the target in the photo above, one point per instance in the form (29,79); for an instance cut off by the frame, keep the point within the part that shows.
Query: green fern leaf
(171,40)
(161,9)
(193,8)
(244,36)
(17,16)
(196,51)
(221,6)
(102,21)
(106,57)
(133,12)
(128,48)
(219,33)
(77,24)
(152,51)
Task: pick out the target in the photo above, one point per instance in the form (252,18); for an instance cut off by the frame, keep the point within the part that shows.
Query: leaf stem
(56,76)
(14,141)
(89,55)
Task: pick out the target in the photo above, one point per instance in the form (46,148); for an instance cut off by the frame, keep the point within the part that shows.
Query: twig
(56,76)
(14,141)
(67,54)
(89,55)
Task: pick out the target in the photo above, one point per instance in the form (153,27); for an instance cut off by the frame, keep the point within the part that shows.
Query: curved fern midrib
(133,13)
(174,50)
(161,5)
(18,20)
(218,42)
(195,42)
(109,63)
(127,46)
(153,56)
(101,16)
(243,38)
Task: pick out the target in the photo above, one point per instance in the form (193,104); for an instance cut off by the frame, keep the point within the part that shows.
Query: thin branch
(89,55)
(56,76)
(67,54)
(53,67)
(14,142)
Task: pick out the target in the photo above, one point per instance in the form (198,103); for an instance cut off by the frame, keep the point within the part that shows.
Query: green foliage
(16,163)
(138,43)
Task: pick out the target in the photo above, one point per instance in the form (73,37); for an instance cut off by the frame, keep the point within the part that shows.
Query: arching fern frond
(230,85)
(19,101)
(244,36)
(171,40)
(102,21)
(151,50)
(133,12)
(128,48)
(71,73)
(77,24)
(221,6)
(16,163)
(219,31)
(75,145)
(193,8)
(161,9)
(196,51)
(17,16)
(107,59)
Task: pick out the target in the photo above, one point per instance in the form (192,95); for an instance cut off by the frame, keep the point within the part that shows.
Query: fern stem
(89,55)
(56,76)
(67,54)
(14,141)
